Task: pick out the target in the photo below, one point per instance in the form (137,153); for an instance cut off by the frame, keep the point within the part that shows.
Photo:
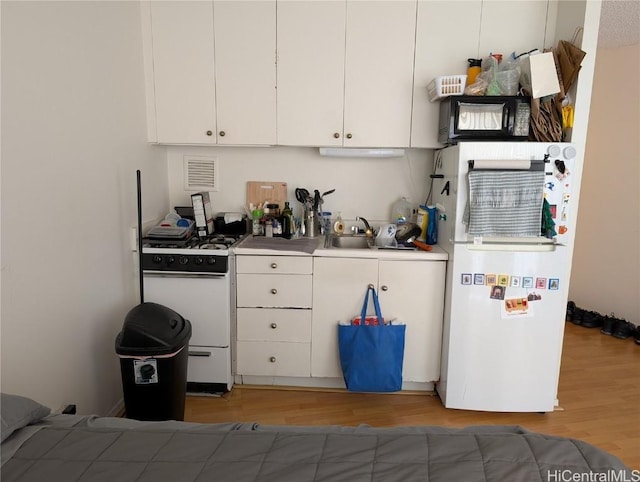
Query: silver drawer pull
(274,265)
(274,326)
(272,359)
(384,287)
(199,353)
(274,291)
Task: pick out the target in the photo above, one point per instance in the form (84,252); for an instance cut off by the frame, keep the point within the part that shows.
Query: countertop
(259,245)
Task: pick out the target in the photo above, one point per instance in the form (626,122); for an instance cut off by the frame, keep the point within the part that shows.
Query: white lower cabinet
(410,292)
(273,316)
(291,335)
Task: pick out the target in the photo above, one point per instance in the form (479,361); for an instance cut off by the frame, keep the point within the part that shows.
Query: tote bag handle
(376,305)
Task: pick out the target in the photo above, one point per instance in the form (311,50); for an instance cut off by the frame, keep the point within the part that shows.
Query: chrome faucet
(368,232)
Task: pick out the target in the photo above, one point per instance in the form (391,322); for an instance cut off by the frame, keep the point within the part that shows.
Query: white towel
(505,203)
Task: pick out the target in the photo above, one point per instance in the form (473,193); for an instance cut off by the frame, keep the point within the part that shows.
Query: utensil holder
(311,224)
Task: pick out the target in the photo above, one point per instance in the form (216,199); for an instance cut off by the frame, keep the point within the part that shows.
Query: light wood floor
(599,397)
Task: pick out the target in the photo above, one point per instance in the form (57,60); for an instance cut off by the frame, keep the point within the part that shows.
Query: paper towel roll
(502,164)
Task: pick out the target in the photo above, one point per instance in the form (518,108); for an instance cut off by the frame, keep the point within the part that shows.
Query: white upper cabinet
(311,36)
(350,73)
(380,45)
(183,71)
(513,26)
(345,72)
(447,35)
(245,50)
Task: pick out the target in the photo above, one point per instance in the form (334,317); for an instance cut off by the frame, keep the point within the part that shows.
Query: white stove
(194,277)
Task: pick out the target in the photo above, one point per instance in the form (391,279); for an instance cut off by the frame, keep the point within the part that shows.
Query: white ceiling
(619,23)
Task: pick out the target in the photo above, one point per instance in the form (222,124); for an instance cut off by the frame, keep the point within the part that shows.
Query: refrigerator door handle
(538,248)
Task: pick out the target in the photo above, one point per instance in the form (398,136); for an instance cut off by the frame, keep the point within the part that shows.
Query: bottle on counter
(432,225)
(401,211)
(288,225)
(257,226)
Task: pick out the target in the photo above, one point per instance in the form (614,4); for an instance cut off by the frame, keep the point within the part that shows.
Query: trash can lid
(152,329)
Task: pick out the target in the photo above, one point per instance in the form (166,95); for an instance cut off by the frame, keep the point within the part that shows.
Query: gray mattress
(71,448)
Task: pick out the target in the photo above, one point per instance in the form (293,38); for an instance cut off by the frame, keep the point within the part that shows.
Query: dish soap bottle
(338,226)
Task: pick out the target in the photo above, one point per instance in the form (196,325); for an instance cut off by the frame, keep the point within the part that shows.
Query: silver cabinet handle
(384,287)
(274,265)
(274,326)
(222,133)
(336,135)
(274,291)
(209,133)
(272,359)
(349,136)
(199,353)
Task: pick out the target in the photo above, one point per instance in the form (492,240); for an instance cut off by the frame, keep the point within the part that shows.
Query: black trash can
(154,347)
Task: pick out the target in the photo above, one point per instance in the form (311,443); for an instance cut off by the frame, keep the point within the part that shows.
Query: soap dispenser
(338,226)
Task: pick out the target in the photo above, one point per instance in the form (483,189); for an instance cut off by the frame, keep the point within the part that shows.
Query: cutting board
(258,192)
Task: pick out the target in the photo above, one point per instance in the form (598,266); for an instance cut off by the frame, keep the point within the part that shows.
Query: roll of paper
(502,164)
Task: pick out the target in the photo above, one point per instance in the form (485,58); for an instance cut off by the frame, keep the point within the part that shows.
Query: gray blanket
(107,449)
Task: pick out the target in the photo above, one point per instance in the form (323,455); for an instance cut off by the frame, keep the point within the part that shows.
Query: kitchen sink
(349,242)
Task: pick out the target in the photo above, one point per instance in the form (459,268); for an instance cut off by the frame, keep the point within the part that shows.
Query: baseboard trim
(117,410)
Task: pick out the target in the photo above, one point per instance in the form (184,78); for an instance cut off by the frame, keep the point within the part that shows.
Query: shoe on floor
(592,319)
(623,329)
(571,308)
(636,335)
(577,315)
(608,324)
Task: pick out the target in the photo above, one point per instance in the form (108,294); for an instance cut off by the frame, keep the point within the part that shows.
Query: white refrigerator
(507,284)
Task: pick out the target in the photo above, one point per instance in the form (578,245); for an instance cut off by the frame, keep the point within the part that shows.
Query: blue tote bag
(371,354)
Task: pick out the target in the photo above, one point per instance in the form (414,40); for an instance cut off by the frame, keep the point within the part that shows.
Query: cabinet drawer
(274,359)
(274,264)
(273,324)
(274,291)
(209,365)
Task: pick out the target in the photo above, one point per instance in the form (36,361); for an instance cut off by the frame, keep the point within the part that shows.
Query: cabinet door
(310,72)
(245,49)
(447,34)
(380,43)
(339,286)
(183,72)
(517,25)
(412,292)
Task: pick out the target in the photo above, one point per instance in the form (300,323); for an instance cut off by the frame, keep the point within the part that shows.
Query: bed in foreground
(38,447)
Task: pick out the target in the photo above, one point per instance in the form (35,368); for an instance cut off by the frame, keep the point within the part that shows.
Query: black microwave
(478,118)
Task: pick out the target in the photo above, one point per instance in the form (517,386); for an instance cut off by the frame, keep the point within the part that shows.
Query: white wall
(73,135)
(606,261)
(364,186)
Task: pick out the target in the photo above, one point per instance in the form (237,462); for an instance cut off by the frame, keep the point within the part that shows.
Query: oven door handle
(181,274)
(200,353)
